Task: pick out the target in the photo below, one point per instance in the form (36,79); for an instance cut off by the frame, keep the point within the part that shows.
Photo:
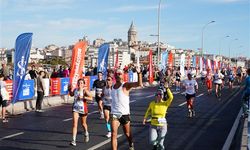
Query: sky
(63,22)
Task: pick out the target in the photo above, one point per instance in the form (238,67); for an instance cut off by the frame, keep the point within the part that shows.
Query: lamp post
(221,41)
(230,49)
(202,34)
(158,38)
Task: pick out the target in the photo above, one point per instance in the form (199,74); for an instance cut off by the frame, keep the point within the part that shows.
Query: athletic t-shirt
(190,86)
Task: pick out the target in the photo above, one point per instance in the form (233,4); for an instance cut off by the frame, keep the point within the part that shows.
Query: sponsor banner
(77,63)
(135,77)
(164,60)
(125,77)
(87,82)
(130,76)
(194,61)
(9,88)
(103,54)
(182,65)
(92,80)
(64,86)
(170,60)
(55,86)
(21,57)
(47,86)
(28,90)
(151,76)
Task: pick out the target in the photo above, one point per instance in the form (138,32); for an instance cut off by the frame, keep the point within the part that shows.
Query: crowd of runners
(112,97)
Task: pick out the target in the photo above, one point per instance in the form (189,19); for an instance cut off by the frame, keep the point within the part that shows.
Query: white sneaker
(86,138)
(108,135)
(73,143)
(102,116)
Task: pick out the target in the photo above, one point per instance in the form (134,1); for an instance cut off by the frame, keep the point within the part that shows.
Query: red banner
(9,89)
(87,82)
(77,63)
(170,60)
(125,77)
(55,86)
(151,76)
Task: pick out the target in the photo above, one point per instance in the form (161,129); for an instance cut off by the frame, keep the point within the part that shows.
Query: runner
(80,109)
(191,87)
(218,81)
(223,71)
(107,104)
(203,76)
(4,97)
(178,80)
(246,94)
(209,79)
(231,78)
(120,109)
(239,75)
(157,110)
(99,85)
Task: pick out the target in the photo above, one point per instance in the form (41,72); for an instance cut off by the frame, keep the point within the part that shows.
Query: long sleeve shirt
(159,110)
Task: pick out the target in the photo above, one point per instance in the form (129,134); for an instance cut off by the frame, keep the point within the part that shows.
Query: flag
(116,60)
(170,60)
(151,77)
(194,61)
(103,54)
(21,58)
(77,63)
(182,65)
(164,58)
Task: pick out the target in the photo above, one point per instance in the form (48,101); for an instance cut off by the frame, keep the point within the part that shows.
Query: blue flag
(164,58)
(194,61)
(21,58)
(103,54)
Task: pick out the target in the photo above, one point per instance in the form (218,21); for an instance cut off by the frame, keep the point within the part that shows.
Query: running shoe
(102,116)
(132,147)
(86,138)
(5,120)
(193,113)
(73,143)
(108,135)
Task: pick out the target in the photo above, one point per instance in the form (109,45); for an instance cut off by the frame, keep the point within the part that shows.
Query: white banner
(46,92)
(182,65)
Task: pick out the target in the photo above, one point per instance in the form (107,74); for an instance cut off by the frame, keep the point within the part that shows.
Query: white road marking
(12,135)
(88,114)
(229,139)
(200,95)
(149,96)
(183,104)
(132,101)
(176,92)
(103,143)
(183,93)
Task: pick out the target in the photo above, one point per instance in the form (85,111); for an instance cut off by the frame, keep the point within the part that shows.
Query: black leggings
(39,100)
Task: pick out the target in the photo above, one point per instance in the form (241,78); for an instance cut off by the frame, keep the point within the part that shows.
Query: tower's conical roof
(132,27)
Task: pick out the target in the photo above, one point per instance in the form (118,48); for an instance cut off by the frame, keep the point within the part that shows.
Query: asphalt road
(51,129)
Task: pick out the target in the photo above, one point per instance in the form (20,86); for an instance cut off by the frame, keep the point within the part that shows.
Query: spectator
(4,97)
(33,72)
(5,71)
(40,91)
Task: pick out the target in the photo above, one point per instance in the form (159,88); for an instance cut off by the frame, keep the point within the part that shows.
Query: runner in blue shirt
(246,94)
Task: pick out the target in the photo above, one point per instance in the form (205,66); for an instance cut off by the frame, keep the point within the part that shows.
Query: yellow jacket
(159,110)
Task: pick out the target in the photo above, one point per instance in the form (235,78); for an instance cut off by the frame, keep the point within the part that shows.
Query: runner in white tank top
(120,110)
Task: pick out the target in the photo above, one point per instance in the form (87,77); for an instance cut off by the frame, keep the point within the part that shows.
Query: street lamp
(221,41)
(202,34)
(158,39)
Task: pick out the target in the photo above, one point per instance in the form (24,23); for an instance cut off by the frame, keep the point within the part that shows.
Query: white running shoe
(108,135)
(73,143)
(86,138)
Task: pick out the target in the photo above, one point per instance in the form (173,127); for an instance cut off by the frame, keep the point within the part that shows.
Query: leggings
(157,134)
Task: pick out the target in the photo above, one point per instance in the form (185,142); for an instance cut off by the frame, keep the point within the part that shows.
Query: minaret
(132,35)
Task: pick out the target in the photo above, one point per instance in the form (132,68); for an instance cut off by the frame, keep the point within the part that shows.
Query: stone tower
(132,35)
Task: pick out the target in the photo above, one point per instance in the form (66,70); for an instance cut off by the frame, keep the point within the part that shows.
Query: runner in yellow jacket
(157,110)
